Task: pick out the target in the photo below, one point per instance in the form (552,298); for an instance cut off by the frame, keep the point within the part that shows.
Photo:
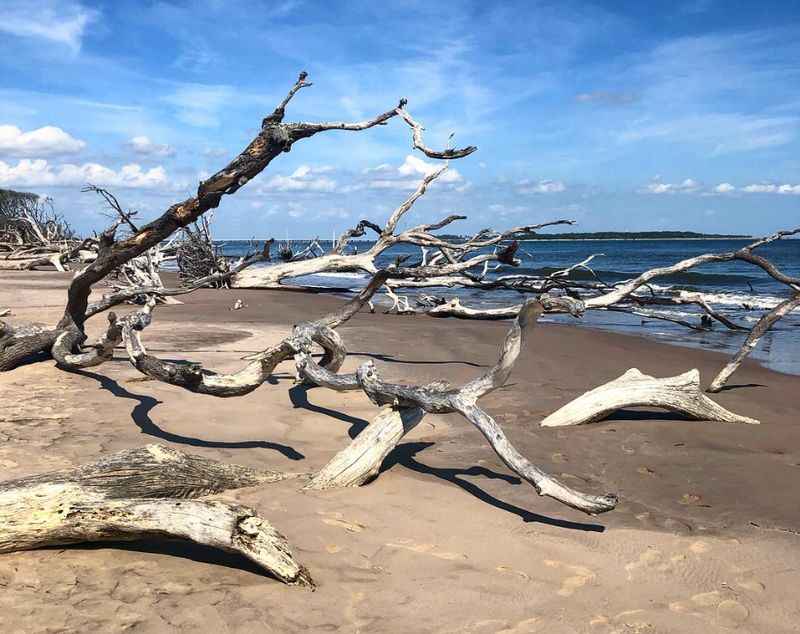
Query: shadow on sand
(141,416)
(405,455)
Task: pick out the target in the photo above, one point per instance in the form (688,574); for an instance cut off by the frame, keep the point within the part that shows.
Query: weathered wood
(361,461)
(758,331)
(145,493)
(681,394)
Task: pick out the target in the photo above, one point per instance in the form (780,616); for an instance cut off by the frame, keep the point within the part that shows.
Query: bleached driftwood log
(145,493)
(758,331)
(680,394)
(363,458)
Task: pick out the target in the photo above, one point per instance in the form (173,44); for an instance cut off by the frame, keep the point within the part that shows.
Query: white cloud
(143,146)
(771,188)
(528,186)
(38,173)
(724,188)
(687,186)
(304,178)
(58,21)
(408,176)
(46,141)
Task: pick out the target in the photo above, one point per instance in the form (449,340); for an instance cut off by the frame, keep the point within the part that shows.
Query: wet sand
(446,540)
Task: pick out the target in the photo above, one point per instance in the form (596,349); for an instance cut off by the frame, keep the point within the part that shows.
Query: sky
(621,115)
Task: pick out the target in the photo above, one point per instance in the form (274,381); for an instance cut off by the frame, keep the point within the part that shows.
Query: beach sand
(705,538)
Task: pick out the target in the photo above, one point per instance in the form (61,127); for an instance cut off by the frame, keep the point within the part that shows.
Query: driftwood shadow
(645,414)
(727,388)
(299,397)
(405,455)
(141,417)
(388,358)
(175,548)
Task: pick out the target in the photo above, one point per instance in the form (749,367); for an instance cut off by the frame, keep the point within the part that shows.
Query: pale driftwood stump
(680,394)
(145,493)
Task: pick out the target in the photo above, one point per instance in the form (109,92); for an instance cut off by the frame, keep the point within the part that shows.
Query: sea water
(739,290)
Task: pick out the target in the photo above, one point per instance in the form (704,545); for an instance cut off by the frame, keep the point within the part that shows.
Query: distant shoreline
(540,239)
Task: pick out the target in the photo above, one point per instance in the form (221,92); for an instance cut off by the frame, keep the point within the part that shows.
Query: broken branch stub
(681,394)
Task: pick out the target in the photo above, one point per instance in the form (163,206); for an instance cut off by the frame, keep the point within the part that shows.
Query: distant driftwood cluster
(154,490)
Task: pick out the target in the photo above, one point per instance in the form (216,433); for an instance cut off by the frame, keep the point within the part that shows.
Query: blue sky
(621,115)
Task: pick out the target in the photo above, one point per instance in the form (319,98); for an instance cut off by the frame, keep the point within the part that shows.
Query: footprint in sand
(335,519)
(579,576)
(725,611)
(650,558)
(524,626)
(427,549)
(511,571)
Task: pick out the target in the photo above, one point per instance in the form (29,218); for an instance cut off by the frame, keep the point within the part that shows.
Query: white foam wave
(743,301)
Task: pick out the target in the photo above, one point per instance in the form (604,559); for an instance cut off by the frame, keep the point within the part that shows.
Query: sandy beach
(705,538)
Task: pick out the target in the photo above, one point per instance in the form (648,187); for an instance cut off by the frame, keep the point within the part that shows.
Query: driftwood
(273,139)
(195,378)
(758,331)
(140,494)
(361,461)
(363,458)
(681,394)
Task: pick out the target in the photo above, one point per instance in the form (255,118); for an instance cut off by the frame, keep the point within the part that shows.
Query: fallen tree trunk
(758,331)
(680,394)
(144,493)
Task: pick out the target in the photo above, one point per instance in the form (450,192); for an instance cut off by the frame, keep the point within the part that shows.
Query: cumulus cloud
(528,186)
(46,141)
(771,188)
(724,188)
(40,173)
(408,176)
(687,186)
(57,21)
(304,178)
(143,146)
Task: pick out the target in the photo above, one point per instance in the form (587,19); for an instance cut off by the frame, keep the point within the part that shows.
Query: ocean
(739,290)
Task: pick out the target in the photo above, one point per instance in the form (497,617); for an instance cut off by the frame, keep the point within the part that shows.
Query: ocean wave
(685,277)
(744,301)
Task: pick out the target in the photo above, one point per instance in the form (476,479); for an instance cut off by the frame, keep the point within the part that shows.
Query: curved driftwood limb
(758,331)
(312,373)
(100,352)
(542,482)
(194,377)
(144,493)
(680,394)
(361,461)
